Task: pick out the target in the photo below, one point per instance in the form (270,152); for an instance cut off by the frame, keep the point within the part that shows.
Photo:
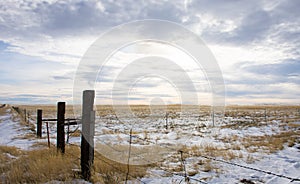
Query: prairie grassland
(255,114)
(271,143)
(104,110)
(233,147)
(49,111)
(44,165)
(36,166)
(40,165)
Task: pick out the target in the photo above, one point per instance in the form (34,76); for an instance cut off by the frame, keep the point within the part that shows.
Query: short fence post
(87,135)
(213,116)
(183,164)
(28,116)
(265,114)
(39,123)
(25,119)
(60,127)
(167,116)
(68,133)
(48,136)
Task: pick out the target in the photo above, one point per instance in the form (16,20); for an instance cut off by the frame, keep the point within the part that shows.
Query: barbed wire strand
(251,168)
(149,162)
(215,159)
(231,163)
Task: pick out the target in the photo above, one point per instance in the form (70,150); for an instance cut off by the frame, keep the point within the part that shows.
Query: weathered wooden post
(48,136)
(39,123)
(167,116)
(265,114)
(25,119)
(28,117)
(213,116)
(60,144)
(87,134)
(187,179)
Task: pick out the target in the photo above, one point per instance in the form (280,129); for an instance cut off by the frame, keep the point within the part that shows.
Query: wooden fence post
(167,116)
(265,114)
(25,119)
(213,116)
(60,127)
(39,123)
(48,136)
(87,133)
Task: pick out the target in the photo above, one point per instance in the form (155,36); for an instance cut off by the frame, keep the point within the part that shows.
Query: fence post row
(39,123)
(60,138)
(87,134)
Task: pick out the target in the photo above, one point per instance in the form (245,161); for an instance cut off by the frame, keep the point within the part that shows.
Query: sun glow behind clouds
(146,88)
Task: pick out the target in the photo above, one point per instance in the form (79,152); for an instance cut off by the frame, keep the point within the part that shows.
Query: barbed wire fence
(292,179)
(184,175)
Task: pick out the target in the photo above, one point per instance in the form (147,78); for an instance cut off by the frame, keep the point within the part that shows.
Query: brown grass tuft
(43,165)
(270,143)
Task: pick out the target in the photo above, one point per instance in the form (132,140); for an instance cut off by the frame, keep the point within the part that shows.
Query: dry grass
(293,125)
(8,154)
(207,166)
(76,133)
(270,143)
(231,151)
(206,150)
(28,136)
(287,114)
(44,165)
(250,159)
(41,165)
(109,171)
(47,162)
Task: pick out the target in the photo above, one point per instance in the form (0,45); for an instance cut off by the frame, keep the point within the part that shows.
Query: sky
(256,44)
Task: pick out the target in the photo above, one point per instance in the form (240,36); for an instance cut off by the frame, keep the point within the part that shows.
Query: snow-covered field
(12,132)
(248,145)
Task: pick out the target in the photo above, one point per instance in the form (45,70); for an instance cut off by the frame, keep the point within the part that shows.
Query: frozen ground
(195,136)
(12,132)
(284,162)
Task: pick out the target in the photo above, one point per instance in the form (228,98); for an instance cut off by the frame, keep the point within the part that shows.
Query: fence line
(251,168)
(149,162)
(215,159)
(129,152)
(203,156)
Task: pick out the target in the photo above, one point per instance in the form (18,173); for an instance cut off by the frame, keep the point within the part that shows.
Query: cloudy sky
(256,44)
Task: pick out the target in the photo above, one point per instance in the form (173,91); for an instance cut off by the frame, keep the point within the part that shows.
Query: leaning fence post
(61,127)
(87,136)
(39,123)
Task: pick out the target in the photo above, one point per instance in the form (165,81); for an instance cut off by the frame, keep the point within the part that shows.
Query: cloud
(286,71)
(62,78)
(284,68)
(41,42)
(253,27)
